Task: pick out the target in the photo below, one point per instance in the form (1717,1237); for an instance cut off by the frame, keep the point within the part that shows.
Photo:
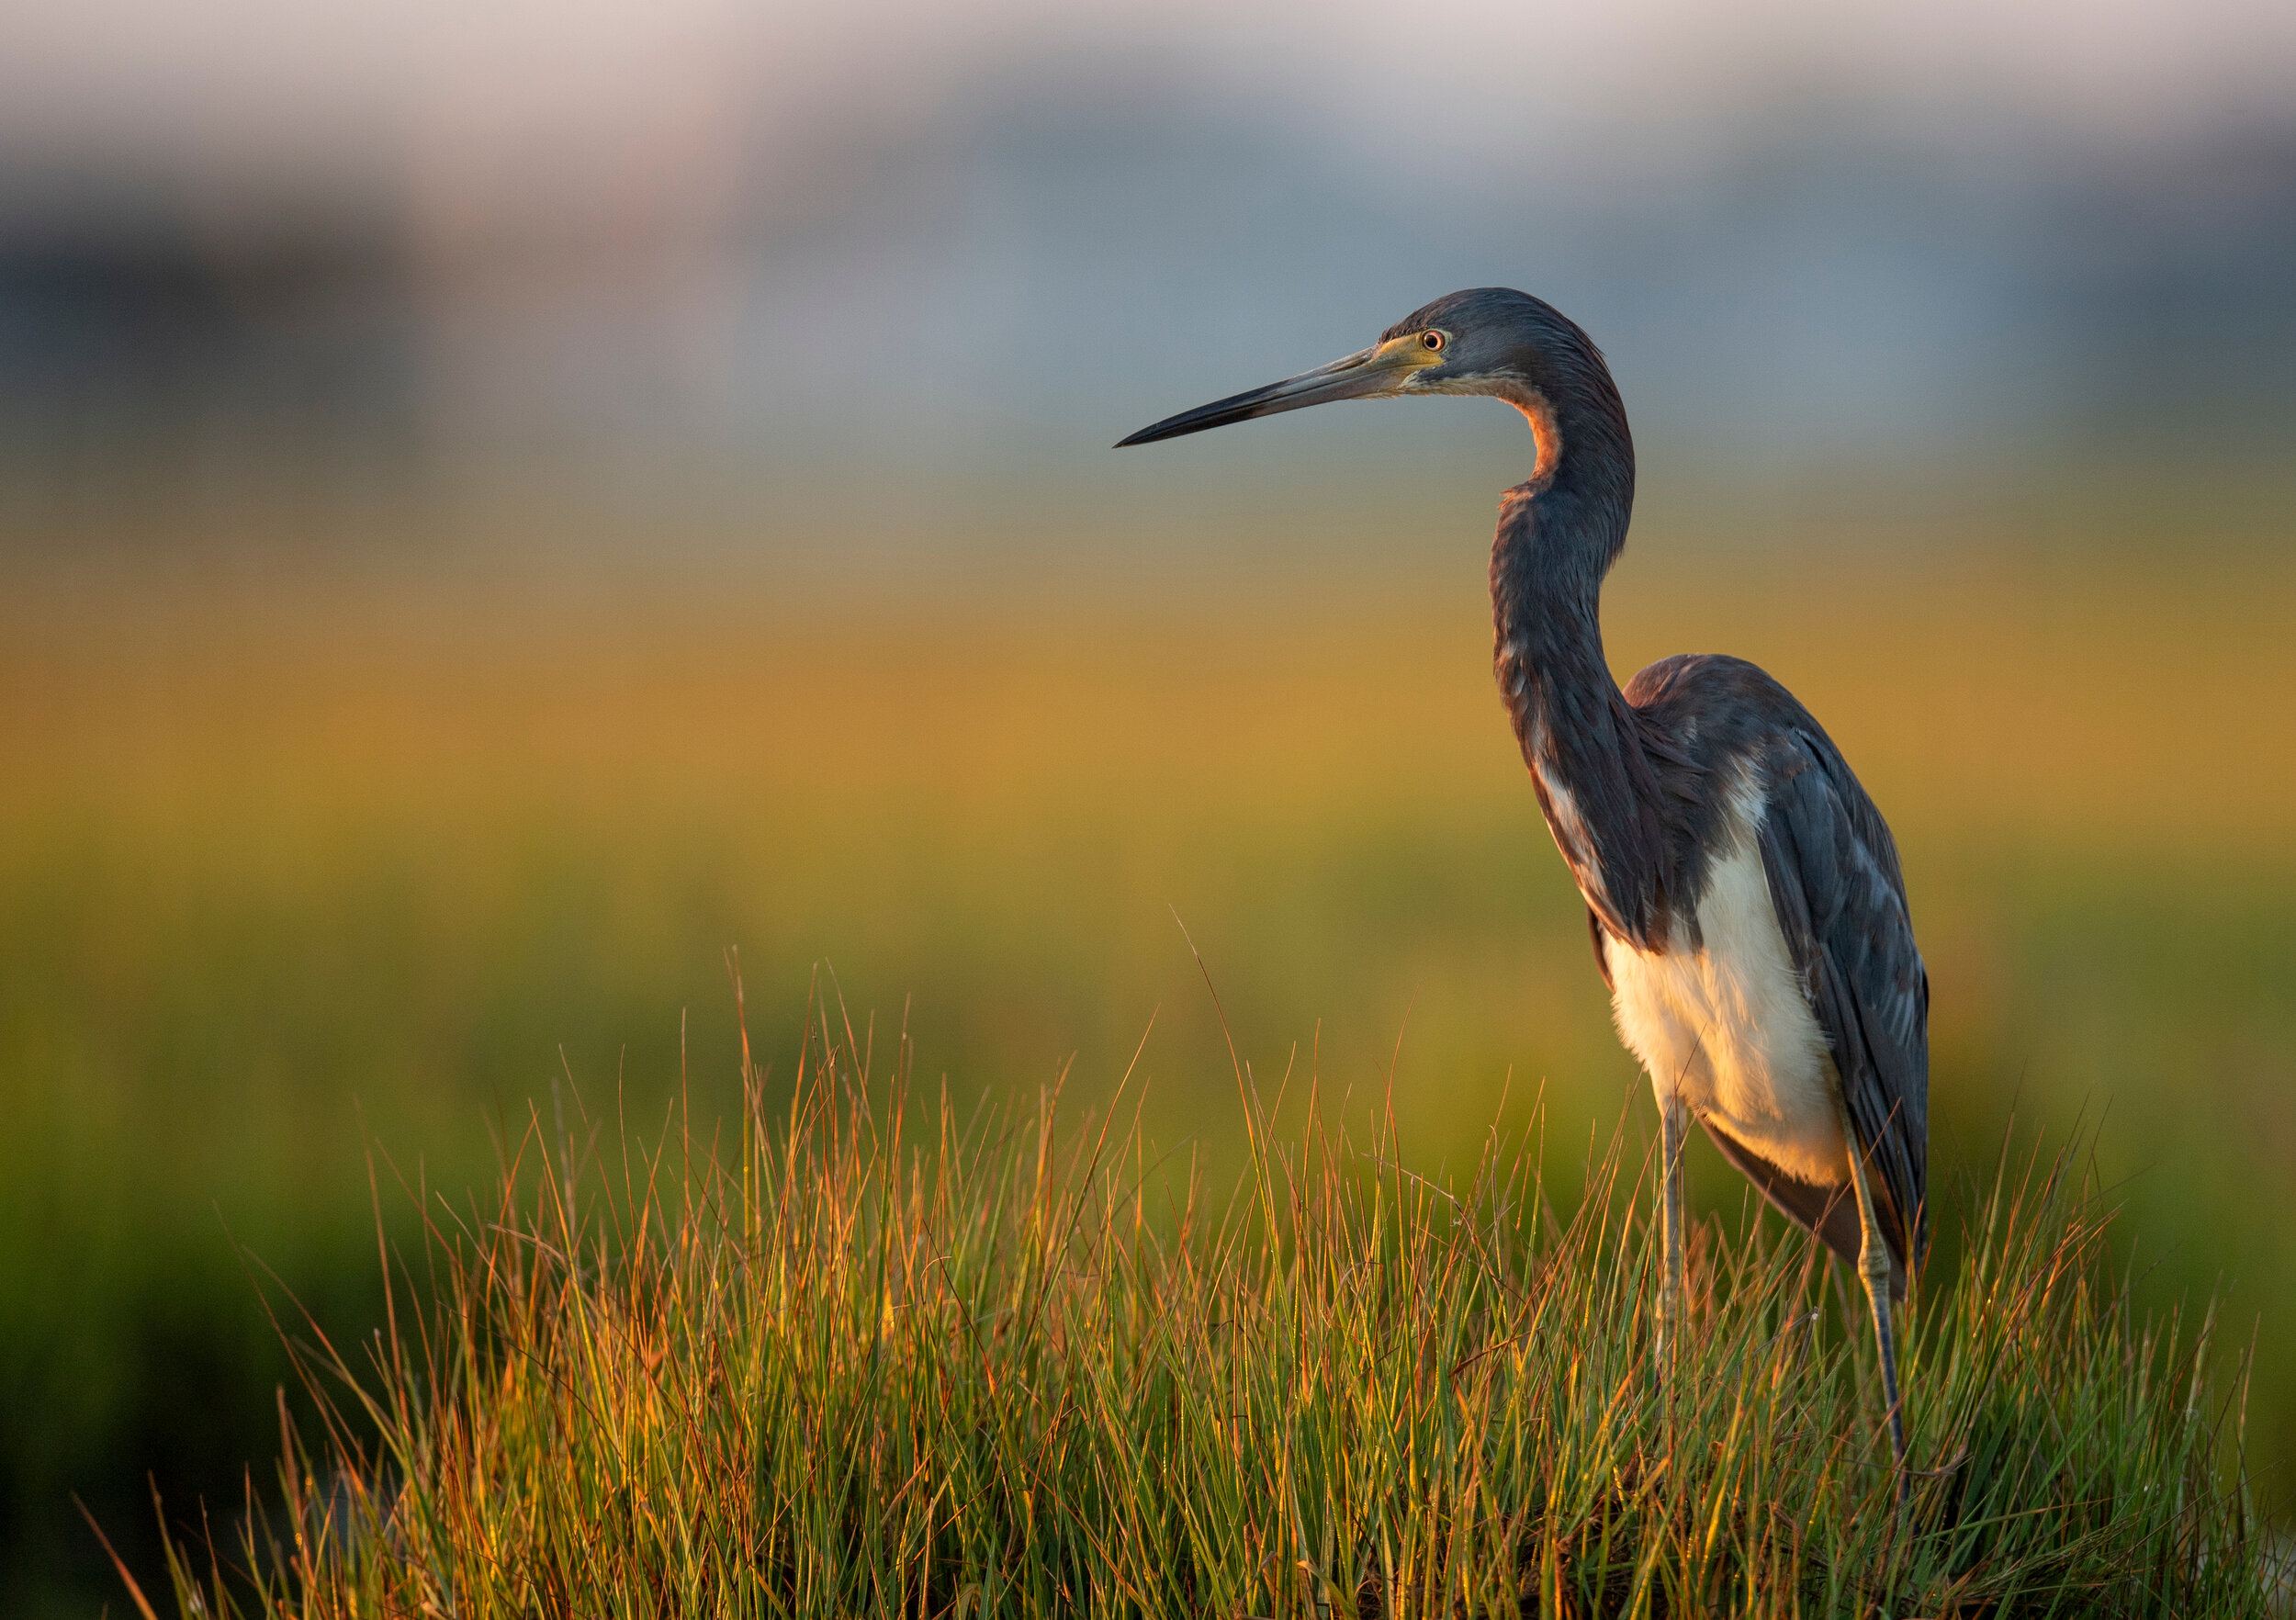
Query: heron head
(1487,340)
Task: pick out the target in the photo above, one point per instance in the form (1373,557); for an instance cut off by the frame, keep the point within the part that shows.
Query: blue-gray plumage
(1742,892)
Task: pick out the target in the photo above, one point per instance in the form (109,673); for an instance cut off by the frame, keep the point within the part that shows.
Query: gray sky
(577,97)
(935,236)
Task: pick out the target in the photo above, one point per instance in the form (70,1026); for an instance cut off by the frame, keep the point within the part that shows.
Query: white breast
(1724,1026)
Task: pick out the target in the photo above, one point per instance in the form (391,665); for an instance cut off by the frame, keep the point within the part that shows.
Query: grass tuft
(876,1358)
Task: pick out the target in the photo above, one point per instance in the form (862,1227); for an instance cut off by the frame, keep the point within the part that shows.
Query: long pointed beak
(1367,374)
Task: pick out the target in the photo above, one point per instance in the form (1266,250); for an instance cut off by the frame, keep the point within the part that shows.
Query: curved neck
(1560,531)
(1559,535)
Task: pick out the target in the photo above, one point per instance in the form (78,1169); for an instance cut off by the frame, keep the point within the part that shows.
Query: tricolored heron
(1742,891)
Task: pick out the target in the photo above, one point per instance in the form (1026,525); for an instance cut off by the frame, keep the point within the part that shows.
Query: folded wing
(1841,902)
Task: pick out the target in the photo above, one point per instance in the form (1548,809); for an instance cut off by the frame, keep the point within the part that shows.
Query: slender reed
(882,1357)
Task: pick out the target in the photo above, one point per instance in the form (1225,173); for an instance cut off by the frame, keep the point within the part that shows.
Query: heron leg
(1874,1269)
(1674,1125)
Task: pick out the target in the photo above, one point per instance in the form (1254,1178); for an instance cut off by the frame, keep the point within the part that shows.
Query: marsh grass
(876,1358)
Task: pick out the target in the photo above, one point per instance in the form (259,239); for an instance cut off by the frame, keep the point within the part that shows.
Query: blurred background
(500,506)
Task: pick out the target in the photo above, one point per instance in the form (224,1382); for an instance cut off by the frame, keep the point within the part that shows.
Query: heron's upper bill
(1387,368)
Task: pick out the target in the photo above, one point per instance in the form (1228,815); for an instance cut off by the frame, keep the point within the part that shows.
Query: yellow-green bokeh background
(501,506)
(295,862)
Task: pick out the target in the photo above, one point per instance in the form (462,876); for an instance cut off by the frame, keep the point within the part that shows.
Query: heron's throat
(1546,431)
(1560,531)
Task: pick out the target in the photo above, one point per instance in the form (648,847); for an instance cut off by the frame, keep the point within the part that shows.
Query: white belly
(1724,1028)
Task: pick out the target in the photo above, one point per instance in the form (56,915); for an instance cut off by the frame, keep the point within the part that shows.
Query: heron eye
(1433,340)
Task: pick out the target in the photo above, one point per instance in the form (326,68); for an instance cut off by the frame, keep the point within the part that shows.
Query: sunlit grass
(881,1354)
(286,865)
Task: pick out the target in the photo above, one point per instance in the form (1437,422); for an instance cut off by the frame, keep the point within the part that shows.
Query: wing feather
(1840,901)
